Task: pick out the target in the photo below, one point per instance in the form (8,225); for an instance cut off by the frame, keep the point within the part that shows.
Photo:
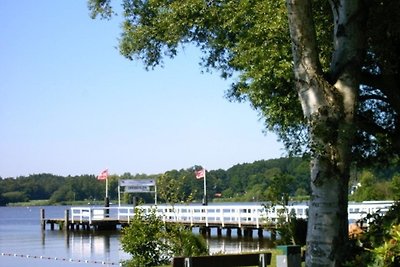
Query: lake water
(23,243)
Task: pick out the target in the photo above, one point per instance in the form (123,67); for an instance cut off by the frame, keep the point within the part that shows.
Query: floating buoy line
(60,259)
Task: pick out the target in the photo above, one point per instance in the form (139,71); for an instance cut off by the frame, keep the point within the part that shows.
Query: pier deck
(103,224)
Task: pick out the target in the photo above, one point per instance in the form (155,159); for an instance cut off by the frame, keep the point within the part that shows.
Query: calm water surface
(23,243)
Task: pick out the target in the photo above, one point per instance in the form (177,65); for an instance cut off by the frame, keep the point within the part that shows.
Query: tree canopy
(258,181)
(250,39)
(323,74)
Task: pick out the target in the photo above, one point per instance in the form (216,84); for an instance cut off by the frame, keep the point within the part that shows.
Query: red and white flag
(103,175)
(200,173)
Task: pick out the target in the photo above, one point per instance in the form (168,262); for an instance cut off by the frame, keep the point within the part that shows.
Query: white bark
(329,109)
(305,55)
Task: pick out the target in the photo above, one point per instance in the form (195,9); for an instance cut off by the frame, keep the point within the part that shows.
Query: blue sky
(71,104)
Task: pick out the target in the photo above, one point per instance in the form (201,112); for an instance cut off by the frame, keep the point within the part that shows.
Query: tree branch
(373,97)
(307,68)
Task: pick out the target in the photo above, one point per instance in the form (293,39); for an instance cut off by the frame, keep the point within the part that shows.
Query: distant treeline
(265,180)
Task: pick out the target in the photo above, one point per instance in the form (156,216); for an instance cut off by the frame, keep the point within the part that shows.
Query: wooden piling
(248,232)
(203,231)
(273,235)
(229,232)
(239,232)
(66,220)
(260,233)
(42,219)
(219,231)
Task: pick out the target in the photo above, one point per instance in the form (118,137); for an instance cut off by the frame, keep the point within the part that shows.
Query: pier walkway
(242,217)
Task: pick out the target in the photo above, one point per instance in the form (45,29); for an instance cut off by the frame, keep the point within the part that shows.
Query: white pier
(221,216)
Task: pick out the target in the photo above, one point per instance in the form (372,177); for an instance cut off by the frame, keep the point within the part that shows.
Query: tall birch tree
(323,74)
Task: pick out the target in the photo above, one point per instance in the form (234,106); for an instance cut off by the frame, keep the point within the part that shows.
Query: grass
(41,202)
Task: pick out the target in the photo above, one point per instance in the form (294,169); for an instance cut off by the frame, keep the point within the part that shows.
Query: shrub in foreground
(380,245)
(151,242)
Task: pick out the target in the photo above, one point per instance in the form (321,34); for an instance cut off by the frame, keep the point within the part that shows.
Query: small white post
(119,195)
(155,193)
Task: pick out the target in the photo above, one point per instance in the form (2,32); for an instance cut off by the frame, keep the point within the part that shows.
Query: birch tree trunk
(329,106)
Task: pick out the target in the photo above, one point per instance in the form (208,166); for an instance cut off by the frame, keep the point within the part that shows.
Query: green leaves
(100,7)
(280,188)
(151,242)
(177,186)
(388,254)
(144,239)
(380,245)
(247,39)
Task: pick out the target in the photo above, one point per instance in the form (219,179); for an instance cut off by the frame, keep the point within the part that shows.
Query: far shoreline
(46,202)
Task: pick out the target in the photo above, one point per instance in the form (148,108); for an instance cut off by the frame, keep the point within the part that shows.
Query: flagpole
(104,175)
(205,188)
(107,187)
(107,200)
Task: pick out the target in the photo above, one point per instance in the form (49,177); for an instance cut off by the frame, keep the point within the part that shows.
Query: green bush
(388,254)
(151,242)
(293,231)
(380,245)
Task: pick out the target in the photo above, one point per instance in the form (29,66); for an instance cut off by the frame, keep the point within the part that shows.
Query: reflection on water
(229,245)
(21,235)
(235,243)
(83,246)
(89,244)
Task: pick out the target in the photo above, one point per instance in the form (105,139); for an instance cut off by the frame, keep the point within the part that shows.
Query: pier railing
(222,215)
(240,215)
(89,214)
(126,213)
(212,215)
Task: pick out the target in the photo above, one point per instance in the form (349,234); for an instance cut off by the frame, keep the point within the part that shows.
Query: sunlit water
(23,243)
